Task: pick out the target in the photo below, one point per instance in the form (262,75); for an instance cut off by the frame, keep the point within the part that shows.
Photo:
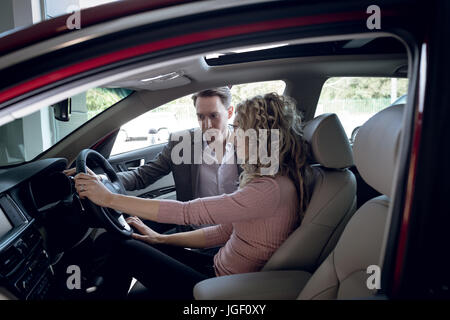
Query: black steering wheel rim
(111,219)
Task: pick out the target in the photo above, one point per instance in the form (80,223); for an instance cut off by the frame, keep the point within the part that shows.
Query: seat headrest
(329,143)
(376,147)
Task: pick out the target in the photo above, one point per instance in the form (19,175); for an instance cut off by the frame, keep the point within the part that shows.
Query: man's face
(212,115)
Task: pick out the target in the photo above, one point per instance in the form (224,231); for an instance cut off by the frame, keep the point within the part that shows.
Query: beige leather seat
(332,199)
(343,273)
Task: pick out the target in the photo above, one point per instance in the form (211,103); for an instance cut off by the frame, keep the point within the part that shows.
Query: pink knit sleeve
(258,199)
(217,235)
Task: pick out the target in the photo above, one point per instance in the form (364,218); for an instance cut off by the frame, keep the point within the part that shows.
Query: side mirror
(62,110)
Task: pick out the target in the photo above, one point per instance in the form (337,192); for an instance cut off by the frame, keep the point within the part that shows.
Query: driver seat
(332,200)
(343,274)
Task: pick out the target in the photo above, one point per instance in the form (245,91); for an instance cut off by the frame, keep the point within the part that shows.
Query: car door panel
(163,188)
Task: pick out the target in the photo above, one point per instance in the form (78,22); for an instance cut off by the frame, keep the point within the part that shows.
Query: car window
(23,139)
(155,126)
(356,99)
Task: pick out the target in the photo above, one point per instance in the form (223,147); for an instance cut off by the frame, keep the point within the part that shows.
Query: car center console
(25,269)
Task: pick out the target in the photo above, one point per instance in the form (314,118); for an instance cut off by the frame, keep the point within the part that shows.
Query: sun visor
(159,84)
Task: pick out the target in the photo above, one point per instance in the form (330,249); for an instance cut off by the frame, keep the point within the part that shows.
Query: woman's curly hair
(273,111)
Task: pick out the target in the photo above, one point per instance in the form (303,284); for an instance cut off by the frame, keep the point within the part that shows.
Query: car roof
(26,36)
(309,69)
(85,57)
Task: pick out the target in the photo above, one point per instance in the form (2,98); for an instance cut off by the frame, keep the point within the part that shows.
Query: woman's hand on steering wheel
(73,171)
(147,234)
(89,186)
(97,194)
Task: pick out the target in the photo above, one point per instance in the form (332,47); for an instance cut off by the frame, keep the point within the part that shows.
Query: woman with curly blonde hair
(275,114)
(250,223)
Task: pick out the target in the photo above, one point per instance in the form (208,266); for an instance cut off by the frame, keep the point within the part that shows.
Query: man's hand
(147,234)
(73,171)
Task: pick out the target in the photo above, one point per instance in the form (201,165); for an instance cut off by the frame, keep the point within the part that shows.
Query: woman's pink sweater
(252,222)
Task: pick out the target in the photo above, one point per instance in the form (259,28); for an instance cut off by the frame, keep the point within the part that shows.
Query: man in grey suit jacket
(186,175)
(194,178)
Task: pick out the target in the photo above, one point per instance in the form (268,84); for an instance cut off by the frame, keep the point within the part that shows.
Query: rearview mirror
(62,110)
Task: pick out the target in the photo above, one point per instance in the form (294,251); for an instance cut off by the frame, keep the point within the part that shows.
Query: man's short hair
(223,93)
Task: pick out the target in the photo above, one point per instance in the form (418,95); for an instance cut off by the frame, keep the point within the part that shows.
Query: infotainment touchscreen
(5,225)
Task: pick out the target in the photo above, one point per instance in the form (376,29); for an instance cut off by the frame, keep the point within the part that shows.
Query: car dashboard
(35,198)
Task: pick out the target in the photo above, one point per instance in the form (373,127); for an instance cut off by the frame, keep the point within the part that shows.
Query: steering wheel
(111,219)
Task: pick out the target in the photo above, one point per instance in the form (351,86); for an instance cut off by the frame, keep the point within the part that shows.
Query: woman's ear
(230,112)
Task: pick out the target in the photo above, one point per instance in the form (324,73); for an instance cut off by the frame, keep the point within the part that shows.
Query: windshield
(25,138)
